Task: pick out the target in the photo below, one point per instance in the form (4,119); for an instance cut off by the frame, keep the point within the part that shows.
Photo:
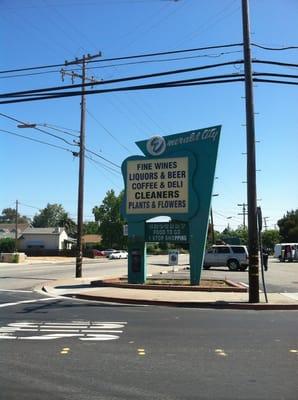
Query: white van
(279,250)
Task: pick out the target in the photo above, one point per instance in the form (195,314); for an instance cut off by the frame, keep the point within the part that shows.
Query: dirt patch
(210,285)
(185,282)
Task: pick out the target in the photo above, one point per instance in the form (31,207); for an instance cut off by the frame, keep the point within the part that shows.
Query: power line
(58,130)
(75,154)
(129,63)
(119,80)
(125,57)
(103,158)
(26,205)
(95,164)
(274,48)
(131,78)
(61,127)
(108,132)
(121,89)
(168,84)
(279,63)
(106,167)
(275,81)
(16,120)
(38,129)
(144,56)
(125,88)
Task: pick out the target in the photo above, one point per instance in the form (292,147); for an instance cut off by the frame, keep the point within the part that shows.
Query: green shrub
(15,258)
(7,245)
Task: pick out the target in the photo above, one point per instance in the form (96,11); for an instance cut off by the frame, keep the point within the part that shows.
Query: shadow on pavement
(64,304)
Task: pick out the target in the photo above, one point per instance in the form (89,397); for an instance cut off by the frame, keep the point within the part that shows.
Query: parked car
(107,252)
(97,253)
(233,257)
(93,253)
(118,254)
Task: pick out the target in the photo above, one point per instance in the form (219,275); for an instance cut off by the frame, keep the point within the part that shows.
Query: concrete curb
(221,305)
(218,305)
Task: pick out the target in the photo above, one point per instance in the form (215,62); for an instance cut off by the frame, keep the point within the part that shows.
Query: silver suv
(234,257)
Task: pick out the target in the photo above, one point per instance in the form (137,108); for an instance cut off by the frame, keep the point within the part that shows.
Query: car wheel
(233,265)
(206,266)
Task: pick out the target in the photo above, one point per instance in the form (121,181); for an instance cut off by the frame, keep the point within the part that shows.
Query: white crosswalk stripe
(83,330)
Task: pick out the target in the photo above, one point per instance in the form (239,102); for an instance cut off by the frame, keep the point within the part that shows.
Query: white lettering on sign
(205,134)
(156,186)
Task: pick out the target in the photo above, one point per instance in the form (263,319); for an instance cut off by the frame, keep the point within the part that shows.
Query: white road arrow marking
(83,330)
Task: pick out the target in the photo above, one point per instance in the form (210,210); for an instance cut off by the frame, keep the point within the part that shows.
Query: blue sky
(43,32)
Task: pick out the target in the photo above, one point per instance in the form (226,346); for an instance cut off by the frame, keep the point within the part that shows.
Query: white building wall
(48,241)
(62,237)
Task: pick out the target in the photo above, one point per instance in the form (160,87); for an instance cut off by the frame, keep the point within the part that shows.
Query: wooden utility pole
(244,213)
(79,250)
(253,271)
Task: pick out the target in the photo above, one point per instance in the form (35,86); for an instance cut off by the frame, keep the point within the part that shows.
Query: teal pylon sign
(174,178)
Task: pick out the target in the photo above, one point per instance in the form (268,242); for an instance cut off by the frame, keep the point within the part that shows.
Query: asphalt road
(280,277)
(126,352)
(56,348)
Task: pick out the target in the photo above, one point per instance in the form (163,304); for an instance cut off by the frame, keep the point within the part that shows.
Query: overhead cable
(38,129)
(128,63)
(103,158)
(274,48)
(121,89)
(125,79)
(75,154)
(125,57)
(275,81)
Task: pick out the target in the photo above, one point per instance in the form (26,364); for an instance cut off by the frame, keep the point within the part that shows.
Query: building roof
(43,231)
(10,227)
(91,238)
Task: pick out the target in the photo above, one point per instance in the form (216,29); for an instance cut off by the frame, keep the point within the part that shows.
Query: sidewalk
(54,260)
(81,288)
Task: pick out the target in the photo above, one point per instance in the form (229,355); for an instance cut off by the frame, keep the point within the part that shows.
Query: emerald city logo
(156,145)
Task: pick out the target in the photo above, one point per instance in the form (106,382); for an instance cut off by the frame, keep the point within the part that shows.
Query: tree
(242,233)
(110,220)
(66,222)
(91,228)
(53,215)
(270,238)
(288,227)
(9,215)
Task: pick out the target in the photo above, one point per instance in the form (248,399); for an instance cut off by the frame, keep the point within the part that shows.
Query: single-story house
(44,238)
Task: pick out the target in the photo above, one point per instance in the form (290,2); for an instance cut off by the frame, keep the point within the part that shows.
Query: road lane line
(99,337)
(16,291)
(101,331)
(28,301)
(59,330)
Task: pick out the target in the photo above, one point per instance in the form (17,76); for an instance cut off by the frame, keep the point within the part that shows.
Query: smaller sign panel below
(173,232)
